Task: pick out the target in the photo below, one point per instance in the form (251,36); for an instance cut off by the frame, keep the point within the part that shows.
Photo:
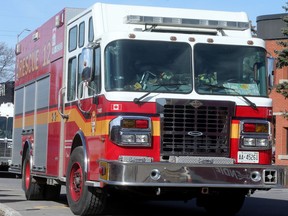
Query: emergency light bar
(184,22)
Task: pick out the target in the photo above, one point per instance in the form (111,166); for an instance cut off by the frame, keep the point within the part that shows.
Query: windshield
(3,125)
(161,66)
(148,66)
(230,69)
(9,127)
(6,125)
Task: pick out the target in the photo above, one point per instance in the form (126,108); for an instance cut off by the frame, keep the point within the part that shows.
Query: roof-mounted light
(184,22)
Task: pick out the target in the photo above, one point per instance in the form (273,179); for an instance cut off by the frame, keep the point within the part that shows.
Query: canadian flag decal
(116,107)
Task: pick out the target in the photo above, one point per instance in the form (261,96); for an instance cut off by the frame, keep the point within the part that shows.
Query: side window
(95,81)
(91,30)
(97,61)
(81,34)
(80,69)
(71,86)
(72,39)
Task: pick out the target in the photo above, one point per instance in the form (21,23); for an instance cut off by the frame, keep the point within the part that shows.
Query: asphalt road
(264,203)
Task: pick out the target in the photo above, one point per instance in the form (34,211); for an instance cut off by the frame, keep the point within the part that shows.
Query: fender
(80,140)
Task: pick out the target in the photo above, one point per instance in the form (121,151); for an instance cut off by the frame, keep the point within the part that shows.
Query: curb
(7,211)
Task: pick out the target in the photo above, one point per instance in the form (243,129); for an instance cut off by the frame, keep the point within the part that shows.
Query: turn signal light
(256,127)
(135,123)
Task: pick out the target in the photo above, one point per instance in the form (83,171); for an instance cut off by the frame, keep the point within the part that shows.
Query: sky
(18,15)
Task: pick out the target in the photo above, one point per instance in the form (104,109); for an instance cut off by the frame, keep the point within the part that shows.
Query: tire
(223,203)
(82,200)
(33,187)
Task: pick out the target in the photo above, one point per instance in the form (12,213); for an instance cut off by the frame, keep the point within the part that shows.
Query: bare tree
(7,63)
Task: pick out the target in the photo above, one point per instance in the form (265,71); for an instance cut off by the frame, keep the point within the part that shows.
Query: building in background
(7,92)
(269,28)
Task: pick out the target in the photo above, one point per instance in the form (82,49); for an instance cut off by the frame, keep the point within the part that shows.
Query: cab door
(80,86)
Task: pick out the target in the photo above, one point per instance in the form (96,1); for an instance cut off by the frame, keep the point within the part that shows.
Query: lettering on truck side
(31,62)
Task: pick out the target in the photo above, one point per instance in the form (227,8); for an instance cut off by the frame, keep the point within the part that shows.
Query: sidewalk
(7,211)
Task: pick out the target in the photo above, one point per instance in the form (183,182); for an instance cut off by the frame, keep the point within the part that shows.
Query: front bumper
(192,175)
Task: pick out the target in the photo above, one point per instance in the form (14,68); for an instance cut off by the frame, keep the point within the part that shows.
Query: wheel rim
(76,182)
(27,174)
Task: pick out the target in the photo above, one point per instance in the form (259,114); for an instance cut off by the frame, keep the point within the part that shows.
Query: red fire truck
(163,103)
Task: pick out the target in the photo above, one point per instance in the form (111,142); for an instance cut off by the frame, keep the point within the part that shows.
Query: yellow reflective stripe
(235,131)
(86,125)
(155,128)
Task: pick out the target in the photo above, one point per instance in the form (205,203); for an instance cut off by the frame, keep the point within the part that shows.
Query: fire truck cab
(161,102)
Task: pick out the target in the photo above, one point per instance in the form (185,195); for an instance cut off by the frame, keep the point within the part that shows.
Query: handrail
(64,116)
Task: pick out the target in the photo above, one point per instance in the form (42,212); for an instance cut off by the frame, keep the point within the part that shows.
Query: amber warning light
(134,123)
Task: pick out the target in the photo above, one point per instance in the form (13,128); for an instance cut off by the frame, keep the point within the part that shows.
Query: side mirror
(86,64)
(86,72)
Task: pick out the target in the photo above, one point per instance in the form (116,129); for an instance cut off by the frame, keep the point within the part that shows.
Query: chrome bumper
(191,175)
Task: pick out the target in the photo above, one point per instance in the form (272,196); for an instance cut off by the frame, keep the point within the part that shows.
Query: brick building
(269,28)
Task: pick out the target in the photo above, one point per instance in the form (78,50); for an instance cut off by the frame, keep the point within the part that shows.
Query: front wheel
(82,200)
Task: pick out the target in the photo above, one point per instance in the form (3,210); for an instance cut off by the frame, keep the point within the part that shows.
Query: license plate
(248,157)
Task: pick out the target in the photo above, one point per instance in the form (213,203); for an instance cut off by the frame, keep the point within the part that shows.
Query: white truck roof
(113,17)
(7,109)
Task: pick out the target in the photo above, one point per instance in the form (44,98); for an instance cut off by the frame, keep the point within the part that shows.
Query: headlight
(262,142)
(131,131)
(9,145)
(255,142)
(248,141)
(128,138)
(255,134)
(142,138)
(135,138)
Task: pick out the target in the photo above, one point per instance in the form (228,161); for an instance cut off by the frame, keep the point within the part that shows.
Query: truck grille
(4,150)
(195,127)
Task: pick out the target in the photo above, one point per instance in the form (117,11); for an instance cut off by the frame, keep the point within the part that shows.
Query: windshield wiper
(250,103)
(253,105)
(137,100)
